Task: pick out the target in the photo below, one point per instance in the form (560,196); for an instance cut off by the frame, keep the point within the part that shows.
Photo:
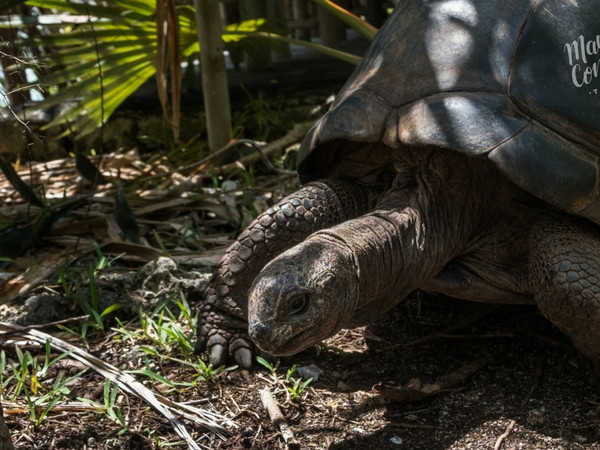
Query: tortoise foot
(222,336)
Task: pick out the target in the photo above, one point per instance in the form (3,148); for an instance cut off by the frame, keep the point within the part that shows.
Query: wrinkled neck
(389,251)
(428,217)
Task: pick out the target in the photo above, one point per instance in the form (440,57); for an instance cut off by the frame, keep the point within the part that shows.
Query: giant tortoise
(461,157)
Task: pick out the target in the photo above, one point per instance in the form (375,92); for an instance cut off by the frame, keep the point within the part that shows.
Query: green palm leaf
(101,54)
(100,61)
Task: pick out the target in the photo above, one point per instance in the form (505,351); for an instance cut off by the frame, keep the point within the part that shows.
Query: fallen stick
(277,145)
(277,418)
(504,435)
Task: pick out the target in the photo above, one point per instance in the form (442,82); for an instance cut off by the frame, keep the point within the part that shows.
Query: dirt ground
(531,394)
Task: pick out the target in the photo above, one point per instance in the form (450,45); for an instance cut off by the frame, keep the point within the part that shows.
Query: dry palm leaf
(14,334)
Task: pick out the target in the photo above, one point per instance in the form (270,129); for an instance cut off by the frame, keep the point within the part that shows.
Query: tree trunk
(214,76)
(300,11)
(276,11)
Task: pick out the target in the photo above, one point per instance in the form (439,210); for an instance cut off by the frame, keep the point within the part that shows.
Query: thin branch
(504,435)
(277,417)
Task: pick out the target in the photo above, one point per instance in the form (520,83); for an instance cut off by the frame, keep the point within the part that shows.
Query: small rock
(535,418)
(396,440)
(248,432)
(311,371)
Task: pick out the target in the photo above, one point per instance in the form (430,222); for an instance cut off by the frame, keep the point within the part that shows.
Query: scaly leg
(564,272)
(222,325)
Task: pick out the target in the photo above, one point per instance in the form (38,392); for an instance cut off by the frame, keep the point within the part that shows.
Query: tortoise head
(304,295)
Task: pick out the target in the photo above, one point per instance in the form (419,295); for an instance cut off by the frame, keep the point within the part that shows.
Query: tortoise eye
(298,304)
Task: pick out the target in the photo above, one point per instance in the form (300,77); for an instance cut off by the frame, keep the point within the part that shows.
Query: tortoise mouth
(289,347)
(283,341)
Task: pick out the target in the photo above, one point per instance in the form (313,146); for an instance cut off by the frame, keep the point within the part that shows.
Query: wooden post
(300,11)
(276,11)
(261,58)
(331,29)
(214,75)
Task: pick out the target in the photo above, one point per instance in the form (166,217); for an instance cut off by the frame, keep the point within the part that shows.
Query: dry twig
(504,435)
(277,418)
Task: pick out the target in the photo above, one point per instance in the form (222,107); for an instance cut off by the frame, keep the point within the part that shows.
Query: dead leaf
(32,277)
(416,390)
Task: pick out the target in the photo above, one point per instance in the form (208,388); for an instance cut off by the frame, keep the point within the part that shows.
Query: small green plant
(114,413)
(29,370)
(272,368)
(40,407)
(289,373)
(209,373)
(163,328)
(295,386)
(91,305)
(259,116)
(204,372)
(151,374)
(110,408)
(161,245)
(26,378)
(165,333)
(73,283)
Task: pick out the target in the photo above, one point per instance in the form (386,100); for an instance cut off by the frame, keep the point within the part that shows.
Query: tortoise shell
(516,81)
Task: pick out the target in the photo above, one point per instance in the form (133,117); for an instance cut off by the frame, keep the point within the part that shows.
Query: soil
(531,394)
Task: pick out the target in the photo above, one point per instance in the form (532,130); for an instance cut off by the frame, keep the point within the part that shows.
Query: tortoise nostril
(257,329)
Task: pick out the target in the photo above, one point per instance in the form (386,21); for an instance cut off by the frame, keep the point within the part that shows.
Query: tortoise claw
(217,355)
(243,356)
(242,349)
(200,345)
(223,336)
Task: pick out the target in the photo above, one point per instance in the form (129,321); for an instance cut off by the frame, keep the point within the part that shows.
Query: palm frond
(100,54)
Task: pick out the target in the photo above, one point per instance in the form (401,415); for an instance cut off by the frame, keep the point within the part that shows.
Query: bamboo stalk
(214,75)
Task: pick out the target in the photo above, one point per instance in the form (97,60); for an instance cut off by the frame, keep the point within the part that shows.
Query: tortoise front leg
(222,323)
(564,272)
